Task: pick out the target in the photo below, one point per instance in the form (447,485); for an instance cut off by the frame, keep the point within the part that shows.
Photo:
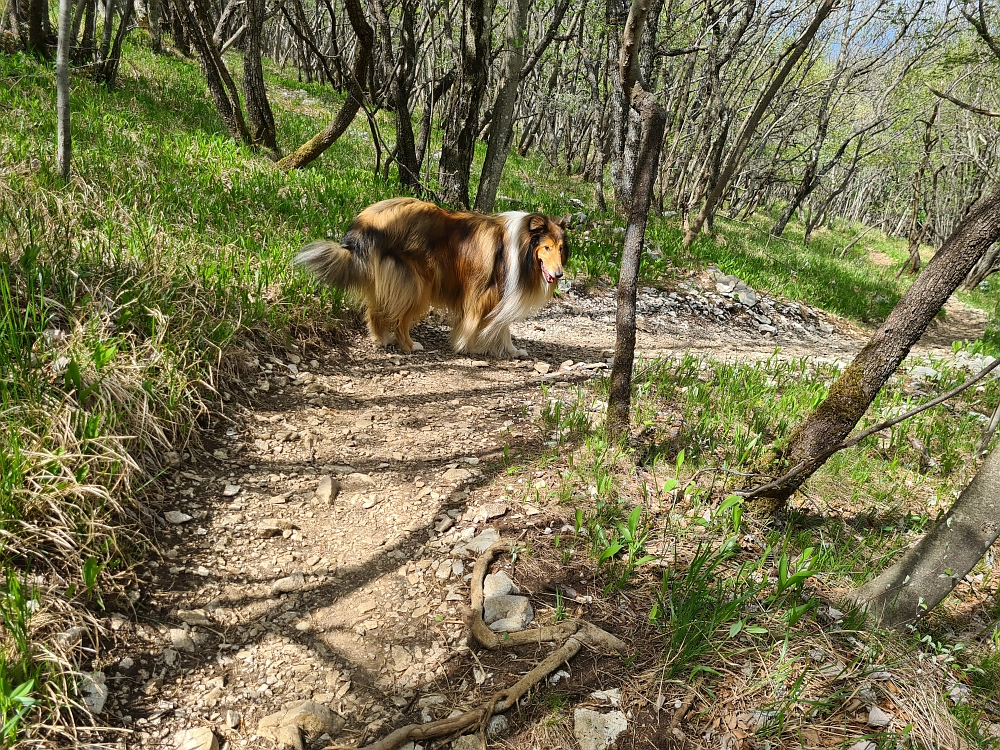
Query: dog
(403,255)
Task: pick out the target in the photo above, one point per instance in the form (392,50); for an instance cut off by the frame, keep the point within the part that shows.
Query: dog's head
(548,243)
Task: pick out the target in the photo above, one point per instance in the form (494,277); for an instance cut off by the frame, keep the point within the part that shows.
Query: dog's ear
(536,223)
(563,222)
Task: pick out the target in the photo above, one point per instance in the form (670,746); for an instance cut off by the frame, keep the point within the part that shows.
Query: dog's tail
(335,264)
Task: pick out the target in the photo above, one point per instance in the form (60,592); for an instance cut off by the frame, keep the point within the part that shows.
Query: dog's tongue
(547,277)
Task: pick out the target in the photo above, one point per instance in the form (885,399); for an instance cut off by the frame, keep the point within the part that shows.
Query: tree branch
(964,105)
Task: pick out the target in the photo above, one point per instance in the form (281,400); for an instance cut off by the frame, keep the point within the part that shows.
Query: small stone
(466,742)
(613,696)
(126,664)
(497,726)
(181,640)
(498,584)
(482,542)
(289,736)
(197,738)
(507,613)
(313,718)
(71,637)
(194,617)
(95,691)
(541,367)
(878,718)
(597,731)
(288,584)
(327,490)
(863,745)
(175,516)
(169,656)
(231,490)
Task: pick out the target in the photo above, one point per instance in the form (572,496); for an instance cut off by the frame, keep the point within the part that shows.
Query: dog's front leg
(508,345)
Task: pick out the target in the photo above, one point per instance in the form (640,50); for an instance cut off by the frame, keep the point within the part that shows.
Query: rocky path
(317,550)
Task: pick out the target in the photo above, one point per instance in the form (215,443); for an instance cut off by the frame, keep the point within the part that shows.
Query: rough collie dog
(404,255)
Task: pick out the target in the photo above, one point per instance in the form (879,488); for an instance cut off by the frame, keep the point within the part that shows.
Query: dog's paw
(520,354)
(417,346)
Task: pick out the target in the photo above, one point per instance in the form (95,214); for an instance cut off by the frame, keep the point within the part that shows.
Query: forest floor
(278,587)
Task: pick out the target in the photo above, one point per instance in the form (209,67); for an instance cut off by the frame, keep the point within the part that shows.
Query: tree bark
(38,27)
(502,126)
(63,137)
(931,569)
(461,127)
(653,119)
(750,125)
(109,23)
(852,393)
(260,118)
(311,149)
(108,71)
(153,13)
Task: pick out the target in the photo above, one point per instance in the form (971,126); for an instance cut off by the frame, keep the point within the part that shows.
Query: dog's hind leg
(379,327)
(406,321)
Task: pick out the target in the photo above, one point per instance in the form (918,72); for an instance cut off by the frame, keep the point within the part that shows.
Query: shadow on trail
(248,613)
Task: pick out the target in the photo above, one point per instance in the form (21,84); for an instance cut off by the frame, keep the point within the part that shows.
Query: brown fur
(404,255)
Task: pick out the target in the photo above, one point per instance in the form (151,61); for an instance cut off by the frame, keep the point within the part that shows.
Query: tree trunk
(406,148)
(63,137)
(109,23)
(260,119)
(852,393)
(750,126)
(929,570)
(461,127)
(108,71)
(179,28)
(153,14)
(647,165)
(217,77)
(987,265)
(38,27)
(320,142)
(502,125)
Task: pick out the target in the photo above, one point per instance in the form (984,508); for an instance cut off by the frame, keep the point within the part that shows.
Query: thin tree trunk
(109,67)
(217,76)
(461,127)
(931,569)
(502,126)
(852,393)
(109,23)
(750,126)
(179,28)
(260,118)
(406,148)
(155,33)
(320,142)
(38,27)
(63,137)
(653,122)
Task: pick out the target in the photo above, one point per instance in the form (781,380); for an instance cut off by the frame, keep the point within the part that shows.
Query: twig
(804,464)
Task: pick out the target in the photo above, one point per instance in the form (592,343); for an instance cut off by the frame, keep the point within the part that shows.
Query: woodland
(162,160)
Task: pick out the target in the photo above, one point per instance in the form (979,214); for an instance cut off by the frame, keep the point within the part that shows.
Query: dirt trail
(281,587)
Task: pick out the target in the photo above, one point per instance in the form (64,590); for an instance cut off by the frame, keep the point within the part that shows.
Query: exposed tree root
(571,636)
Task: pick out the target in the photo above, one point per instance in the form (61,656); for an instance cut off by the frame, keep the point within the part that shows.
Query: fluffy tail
(335,264)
